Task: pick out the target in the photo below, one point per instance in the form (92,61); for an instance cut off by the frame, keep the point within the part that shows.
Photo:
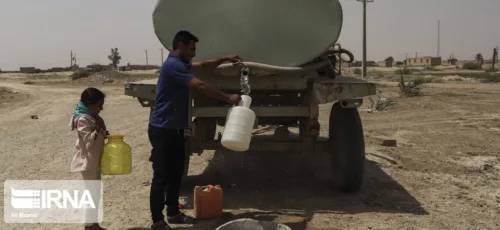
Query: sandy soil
(444,173)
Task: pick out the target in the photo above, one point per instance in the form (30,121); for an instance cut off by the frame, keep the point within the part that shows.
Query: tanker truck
(291,65)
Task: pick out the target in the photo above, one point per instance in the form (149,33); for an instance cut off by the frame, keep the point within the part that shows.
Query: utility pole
(161,56)
(364,35)
(73,59)
(439,40)
(147,65)
(495,56)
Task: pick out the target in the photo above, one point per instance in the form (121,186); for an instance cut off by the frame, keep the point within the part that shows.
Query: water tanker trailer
(291,65)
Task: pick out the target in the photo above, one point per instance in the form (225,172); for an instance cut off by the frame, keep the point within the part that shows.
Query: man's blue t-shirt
(172,94)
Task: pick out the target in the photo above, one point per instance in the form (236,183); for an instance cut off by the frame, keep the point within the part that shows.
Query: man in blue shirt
(168,120)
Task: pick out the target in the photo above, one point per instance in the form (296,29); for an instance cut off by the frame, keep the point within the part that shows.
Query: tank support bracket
(351,103)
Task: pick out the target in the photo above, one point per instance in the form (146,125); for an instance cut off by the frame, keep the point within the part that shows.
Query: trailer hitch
(351,103)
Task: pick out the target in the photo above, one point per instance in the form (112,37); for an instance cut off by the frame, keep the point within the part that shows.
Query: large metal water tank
(274,32)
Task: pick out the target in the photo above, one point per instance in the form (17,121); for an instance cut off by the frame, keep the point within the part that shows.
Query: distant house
(98,67)
(452,61)
(389,63)
(423,61)
(129,67)
(386,63)
(29,70)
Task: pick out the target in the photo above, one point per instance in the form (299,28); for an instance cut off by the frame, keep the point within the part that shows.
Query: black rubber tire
(209,128)
(347,148)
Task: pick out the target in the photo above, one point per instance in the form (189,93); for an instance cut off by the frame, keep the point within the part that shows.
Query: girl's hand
(99,128)
(100,123)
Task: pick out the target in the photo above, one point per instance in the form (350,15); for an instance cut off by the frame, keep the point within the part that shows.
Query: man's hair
(91,96)
(185,37)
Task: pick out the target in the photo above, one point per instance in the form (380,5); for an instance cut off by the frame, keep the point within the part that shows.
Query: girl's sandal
(180,218)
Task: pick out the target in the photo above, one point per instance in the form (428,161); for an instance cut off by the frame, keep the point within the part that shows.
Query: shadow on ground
(289,188)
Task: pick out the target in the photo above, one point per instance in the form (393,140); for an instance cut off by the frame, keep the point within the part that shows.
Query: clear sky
(42,33)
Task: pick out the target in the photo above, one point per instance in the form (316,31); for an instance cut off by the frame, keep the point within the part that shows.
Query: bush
(491,70)
(471,66)
(80,73)
(421,81)
(431,68)
(492,79)
(404,71)
(357,71)
(413,87)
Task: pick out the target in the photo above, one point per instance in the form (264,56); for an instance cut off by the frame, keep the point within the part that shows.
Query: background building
(423,61)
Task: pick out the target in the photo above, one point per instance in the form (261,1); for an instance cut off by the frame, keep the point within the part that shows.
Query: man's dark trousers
(168,159)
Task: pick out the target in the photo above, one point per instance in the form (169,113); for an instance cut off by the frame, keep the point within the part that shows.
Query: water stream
(244,77)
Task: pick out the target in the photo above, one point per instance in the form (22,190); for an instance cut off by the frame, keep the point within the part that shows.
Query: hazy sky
(41,33)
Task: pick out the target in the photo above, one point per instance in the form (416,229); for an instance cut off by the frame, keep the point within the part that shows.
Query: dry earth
(444,173)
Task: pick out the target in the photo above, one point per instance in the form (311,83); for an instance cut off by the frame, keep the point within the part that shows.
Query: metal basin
(250,224)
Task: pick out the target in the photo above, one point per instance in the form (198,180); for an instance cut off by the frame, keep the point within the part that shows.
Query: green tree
(114,57)
(479,59)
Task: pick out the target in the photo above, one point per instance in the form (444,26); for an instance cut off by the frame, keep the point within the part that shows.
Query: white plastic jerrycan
(239,125)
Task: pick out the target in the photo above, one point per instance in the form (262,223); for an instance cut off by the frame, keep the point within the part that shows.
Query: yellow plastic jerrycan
(116,158)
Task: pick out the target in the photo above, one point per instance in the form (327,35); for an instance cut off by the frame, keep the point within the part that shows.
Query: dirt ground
(444,173)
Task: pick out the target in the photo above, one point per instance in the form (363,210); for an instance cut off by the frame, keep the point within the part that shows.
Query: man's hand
(211,65)
(233,58)
(234,99)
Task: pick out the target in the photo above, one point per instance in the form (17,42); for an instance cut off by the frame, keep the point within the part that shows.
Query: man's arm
(181,74)
(210,65)
(208,90)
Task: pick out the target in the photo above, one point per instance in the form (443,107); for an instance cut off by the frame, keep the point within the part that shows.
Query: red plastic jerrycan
(208,202)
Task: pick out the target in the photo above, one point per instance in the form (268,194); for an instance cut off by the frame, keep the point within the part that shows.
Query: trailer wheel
(347,148)
(203,130)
